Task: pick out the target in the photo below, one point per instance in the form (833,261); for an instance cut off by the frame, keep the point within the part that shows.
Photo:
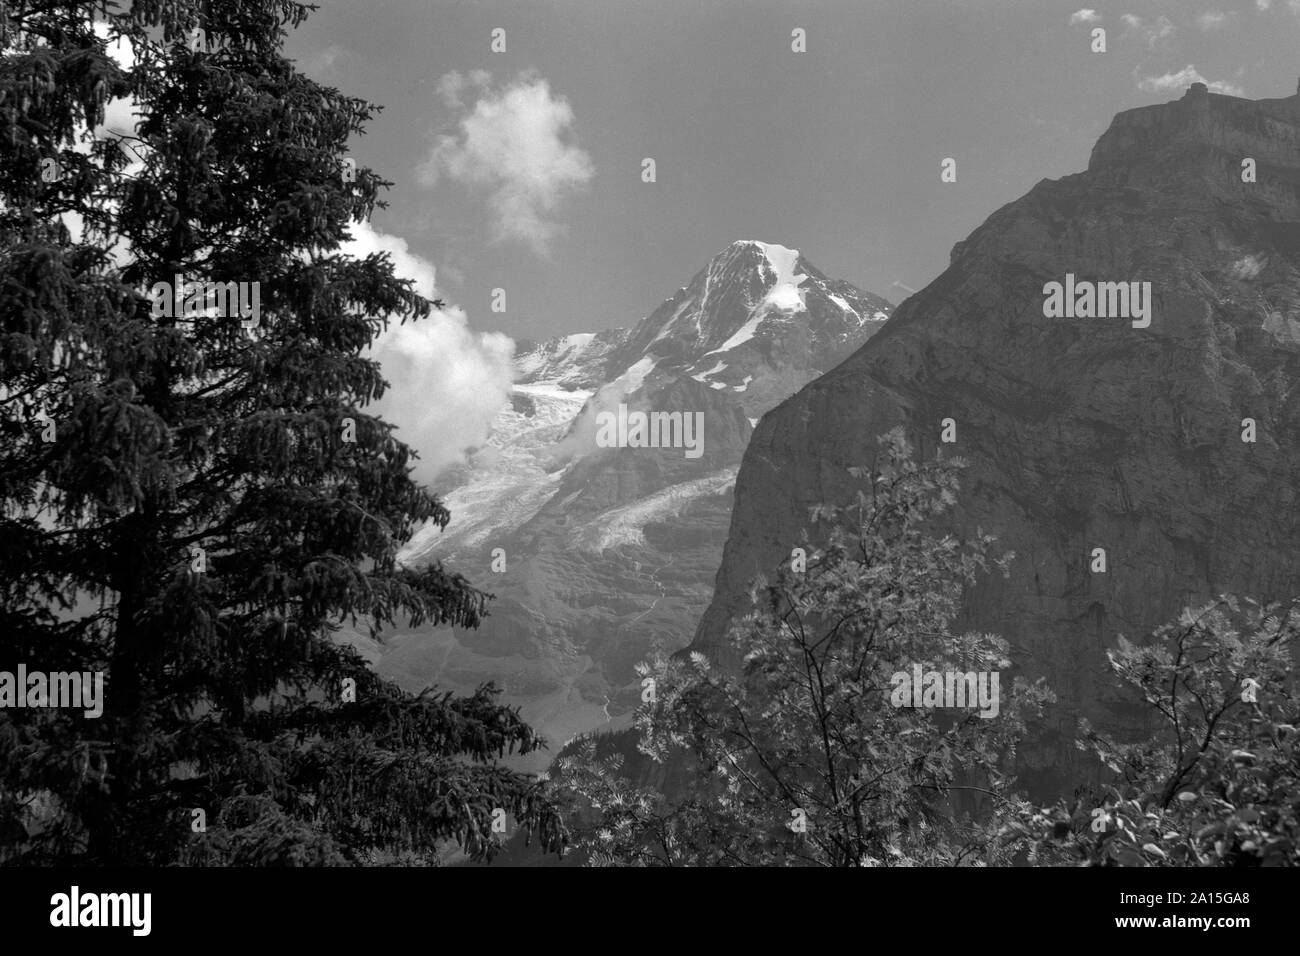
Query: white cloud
(1214,19)
(1153,32)
(515,143)
(1177,82)
(1084,16)
(1162,29)
(1263,4)
(453,84)
(447,382)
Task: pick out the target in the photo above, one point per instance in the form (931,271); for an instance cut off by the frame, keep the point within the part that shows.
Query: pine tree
(192,504)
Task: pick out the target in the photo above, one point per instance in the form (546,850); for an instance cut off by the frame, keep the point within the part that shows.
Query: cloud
(1084,16)
(515,143)
(1162,29)
(1263,4)
(452,85)
(1214,19)
(1177,82)
(1153,33)
(447,382)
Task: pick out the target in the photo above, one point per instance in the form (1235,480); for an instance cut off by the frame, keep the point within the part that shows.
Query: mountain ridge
(1083,433)
(594,553)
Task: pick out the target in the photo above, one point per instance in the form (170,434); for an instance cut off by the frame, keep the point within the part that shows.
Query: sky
(522,170)
(516,136)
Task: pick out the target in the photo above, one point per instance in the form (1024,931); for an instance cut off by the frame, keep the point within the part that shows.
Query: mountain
(1084,433)
(758,320)
(604,550)
(569,361)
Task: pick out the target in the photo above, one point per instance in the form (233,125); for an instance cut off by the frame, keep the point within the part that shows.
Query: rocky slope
(603,550)
(1085,432)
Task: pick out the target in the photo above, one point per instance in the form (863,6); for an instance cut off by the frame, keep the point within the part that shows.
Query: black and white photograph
(453,435)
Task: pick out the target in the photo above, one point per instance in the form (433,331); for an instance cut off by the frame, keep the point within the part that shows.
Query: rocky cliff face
(1085,433)
(595,552)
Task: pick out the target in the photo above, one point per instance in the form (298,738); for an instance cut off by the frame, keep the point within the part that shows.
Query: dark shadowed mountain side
(595,552)
(1085,433)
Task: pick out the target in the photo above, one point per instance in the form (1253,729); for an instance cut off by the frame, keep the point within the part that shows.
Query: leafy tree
(1218,784)
(804,734)
(193,508)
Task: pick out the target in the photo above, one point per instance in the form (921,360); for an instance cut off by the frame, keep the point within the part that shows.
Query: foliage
(804,728)
(180,507)
(1219,782)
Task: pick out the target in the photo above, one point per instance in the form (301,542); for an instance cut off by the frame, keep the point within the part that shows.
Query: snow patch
(720,367)
(553,357)
(506,481)
(841,302)
(623,526)
(1247,267)
(554,390)
(1284,328)
(785,293)
(743,385)
(742,334)
(672,321)
(784,296)
(631,380)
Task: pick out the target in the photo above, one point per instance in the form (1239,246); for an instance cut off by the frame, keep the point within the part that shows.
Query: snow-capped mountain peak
(762,300)
(595,550)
